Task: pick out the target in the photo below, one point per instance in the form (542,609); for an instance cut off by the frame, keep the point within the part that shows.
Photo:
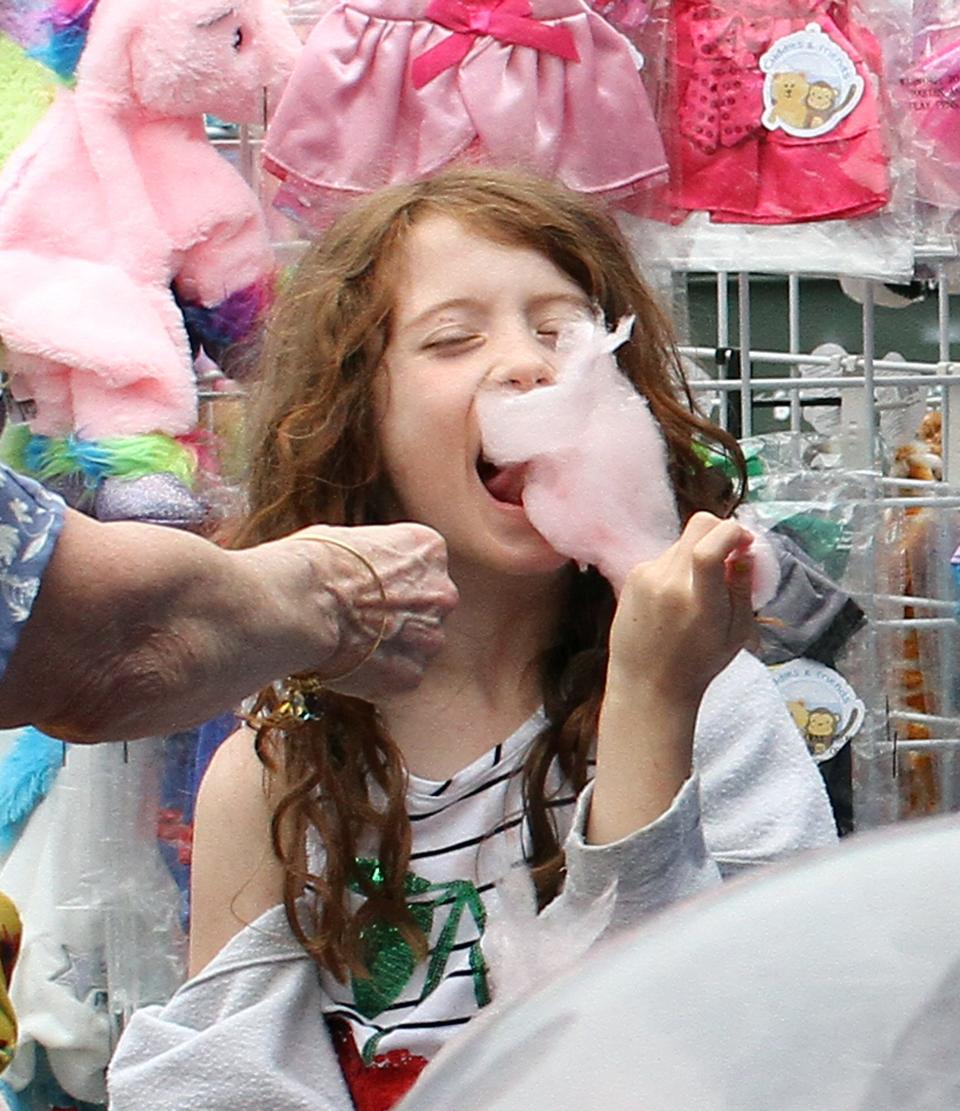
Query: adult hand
(410,561)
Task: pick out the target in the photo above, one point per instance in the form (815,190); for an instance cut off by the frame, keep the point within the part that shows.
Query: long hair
(316,458)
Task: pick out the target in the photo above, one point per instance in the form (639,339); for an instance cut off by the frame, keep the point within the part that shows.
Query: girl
(625,754)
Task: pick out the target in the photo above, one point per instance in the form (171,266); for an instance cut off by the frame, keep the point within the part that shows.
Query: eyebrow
(579,301)
(218,17)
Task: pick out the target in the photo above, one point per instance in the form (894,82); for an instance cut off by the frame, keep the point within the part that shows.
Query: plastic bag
(778,124)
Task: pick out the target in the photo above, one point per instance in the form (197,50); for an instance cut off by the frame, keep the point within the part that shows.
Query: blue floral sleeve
(30,522)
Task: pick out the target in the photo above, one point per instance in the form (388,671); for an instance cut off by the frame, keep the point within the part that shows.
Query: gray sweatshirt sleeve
(755,796)
(246,1034)
(658,865)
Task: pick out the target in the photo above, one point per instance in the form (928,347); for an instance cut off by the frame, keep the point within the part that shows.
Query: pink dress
(777,118)
(393,90)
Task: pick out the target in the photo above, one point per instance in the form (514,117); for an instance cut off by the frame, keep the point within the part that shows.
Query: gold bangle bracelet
(383,599)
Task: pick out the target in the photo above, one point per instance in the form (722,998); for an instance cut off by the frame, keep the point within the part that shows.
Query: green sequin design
(390,959)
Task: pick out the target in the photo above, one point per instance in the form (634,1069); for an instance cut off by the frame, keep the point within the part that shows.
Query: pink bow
(505,20)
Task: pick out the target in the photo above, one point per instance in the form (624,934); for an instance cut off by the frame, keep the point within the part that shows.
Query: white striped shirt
(467,832)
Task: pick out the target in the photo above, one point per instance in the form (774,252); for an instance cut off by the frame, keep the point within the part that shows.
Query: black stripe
(450,899)
(569,800)
(434,1025)
(469,795)
(348,1012)
(466,844)
(409,1003)
(497,754)
(440,789)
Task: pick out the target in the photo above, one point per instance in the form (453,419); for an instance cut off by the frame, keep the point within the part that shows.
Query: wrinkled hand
(411,562)
(682,617)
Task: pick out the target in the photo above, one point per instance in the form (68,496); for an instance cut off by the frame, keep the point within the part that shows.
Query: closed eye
(549,331)
(451,342)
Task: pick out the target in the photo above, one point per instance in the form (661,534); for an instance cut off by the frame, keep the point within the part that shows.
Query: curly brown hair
(316,458)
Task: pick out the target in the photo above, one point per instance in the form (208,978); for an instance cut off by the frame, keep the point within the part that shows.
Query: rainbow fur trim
(231,320)
(47,458)
(53,32)
(27,773)
(27,90)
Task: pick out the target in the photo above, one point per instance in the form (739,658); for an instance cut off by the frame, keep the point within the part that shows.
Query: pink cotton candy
(596,485)
(766,569)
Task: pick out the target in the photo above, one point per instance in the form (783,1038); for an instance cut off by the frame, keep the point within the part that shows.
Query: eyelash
(445,342)
(448,342)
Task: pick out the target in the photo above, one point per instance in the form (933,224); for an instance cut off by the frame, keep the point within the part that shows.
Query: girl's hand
(682,617)
(680,620)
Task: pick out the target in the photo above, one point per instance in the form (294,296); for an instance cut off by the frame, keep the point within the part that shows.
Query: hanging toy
(125,238)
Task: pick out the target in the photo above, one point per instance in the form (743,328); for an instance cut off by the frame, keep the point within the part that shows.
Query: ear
(105,71)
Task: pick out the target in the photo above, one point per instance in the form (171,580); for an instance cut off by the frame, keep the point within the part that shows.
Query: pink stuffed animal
(120,225)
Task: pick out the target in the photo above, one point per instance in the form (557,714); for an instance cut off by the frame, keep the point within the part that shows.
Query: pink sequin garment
(351,119)
(726,161)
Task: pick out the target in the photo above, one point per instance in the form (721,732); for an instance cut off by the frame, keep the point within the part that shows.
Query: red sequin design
(380,1085)
(723,101)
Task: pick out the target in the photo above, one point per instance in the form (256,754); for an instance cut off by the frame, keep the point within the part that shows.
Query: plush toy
(125,237)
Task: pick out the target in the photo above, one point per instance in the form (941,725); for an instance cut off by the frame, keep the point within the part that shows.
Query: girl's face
(469,313)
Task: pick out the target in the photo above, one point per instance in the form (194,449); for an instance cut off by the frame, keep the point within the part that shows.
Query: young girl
(624,754)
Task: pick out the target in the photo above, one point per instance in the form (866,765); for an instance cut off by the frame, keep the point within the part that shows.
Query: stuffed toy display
(27,90)
(130,248)
(126,240)
(100,932)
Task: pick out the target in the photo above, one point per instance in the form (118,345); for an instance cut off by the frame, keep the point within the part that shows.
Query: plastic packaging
(930,92)
(893,558)
(100,908)
(783,149)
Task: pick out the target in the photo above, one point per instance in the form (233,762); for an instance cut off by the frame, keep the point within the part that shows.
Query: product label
(822,703)
(934,80)
(810,84)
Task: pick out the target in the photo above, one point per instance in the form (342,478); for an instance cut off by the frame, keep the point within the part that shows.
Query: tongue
(506,485)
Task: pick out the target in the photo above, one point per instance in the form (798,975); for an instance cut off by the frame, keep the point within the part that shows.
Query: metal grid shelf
(906,759)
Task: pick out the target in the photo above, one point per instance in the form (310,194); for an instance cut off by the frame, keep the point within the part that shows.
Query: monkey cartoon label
(822,703)
(810,84)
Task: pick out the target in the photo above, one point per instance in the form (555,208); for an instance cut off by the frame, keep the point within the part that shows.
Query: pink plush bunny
(121,226)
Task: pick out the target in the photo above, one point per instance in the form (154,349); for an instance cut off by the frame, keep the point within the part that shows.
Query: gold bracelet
(383,599)
(298,692)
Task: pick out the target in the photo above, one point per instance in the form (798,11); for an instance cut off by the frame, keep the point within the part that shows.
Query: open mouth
(503,484)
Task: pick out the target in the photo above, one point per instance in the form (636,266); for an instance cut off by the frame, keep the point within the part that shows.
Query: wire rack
(905,663)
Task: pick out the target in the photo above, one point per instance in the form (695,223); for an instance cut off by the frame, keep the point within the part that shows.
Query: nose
(522,373)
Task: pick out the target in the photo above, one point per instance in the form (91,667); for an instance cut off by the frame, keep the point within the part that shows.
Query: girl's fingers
(723,569)
(740,593)
(727,542)
(699,526)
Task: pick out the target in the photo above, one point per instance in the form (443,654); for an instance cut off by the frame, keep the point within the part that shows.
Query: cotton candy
(596,485)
